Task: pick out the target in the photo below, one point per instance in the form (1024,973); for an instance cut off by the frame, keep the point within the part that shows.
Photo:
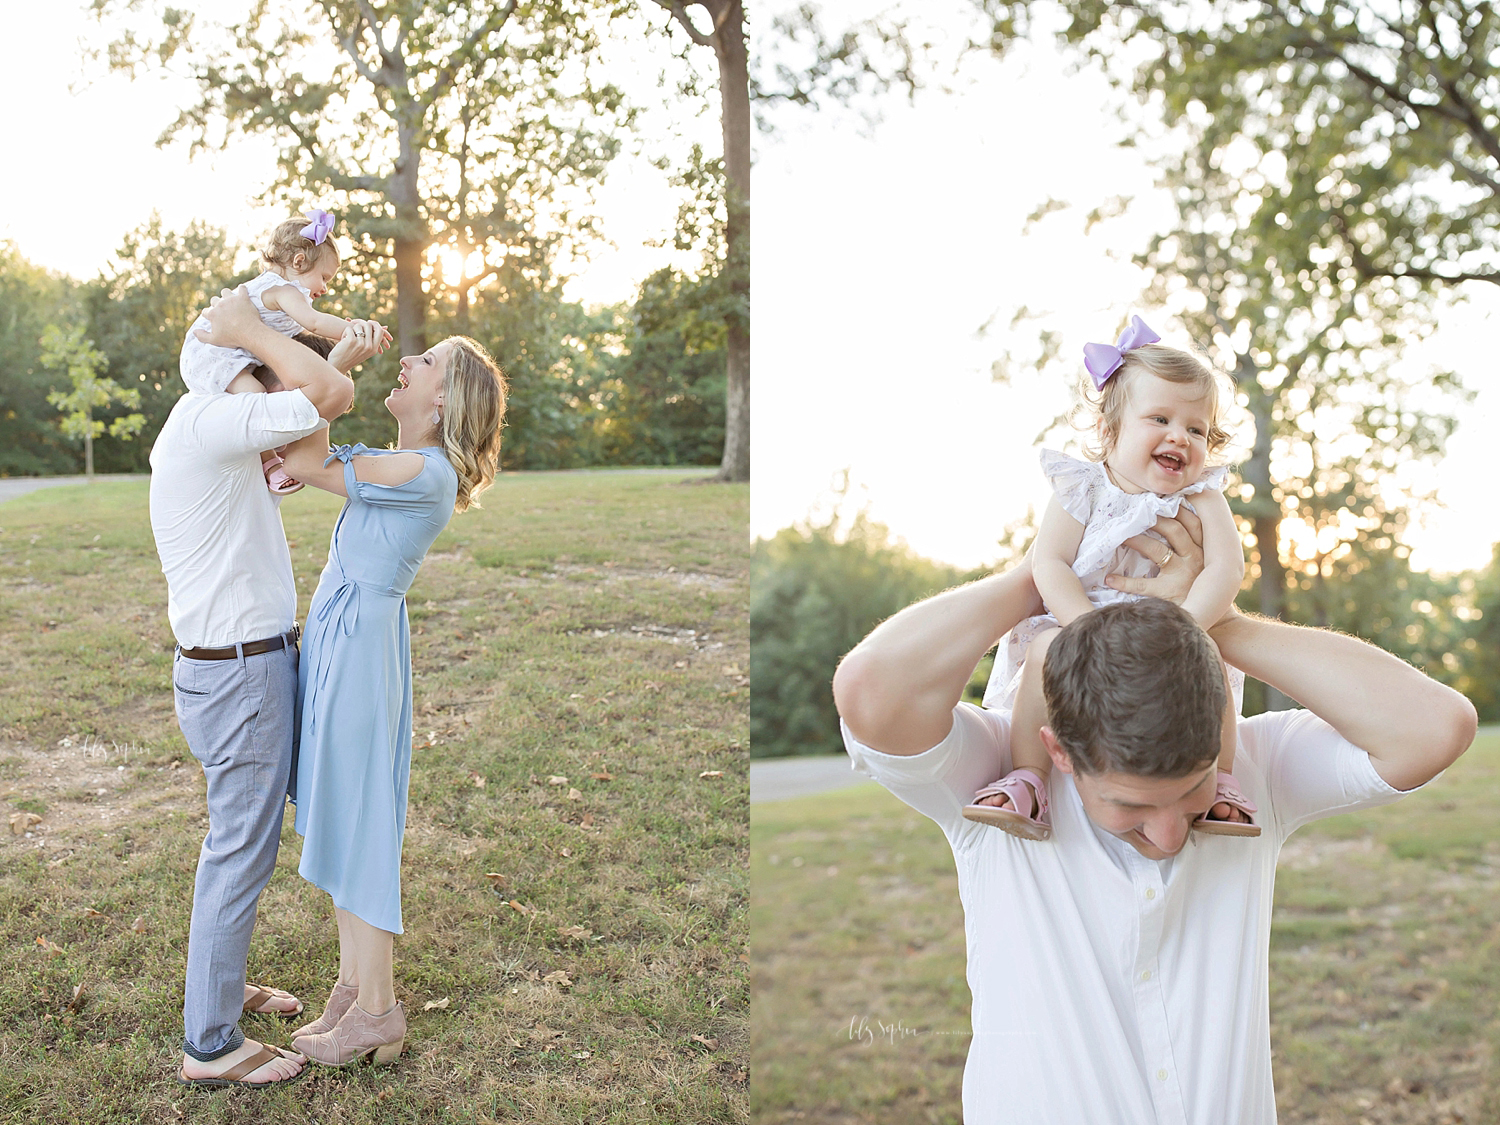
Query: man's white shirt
(218,528)
(1108,987)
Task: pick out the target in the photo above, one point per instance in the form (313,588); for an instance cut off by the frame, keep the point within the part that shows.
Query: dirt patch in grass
(602,976)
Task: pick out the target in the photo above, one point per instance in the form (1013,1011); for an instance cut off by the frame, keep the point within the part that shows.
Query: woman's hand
(232,319)
(361,340)
(1180,559)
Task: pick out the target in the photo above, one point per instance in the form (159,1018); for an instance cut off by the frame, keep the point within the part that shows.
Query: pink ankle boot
(355,1035)
(338,1003)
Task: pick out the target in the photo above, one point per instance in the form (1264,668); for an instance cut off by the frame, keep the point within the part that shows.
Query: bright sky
(877,258)
(84,169)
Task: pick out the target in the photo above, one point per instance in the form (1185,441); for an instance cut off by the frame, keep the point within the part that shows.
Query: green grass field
(586,626)
(1385,961)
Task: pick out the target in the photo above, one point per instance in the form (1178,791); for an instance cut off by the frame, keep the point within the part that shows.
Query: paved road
(776,779)
(19,486)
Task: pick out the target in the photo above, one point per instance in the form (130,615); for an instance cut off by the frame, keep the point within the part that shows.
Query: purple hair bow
(317,230)
(1102,360)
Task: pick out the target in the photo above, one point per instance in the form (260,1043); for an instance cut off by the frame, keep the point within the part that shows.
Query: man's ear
(1059,756)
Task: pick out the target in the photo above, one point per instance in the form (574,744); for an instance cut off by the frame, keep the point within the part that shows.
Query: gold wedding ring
(1165,559)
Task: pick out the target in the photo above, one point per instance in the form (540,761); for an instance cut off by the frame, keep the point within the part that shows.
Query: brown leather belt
(249,648)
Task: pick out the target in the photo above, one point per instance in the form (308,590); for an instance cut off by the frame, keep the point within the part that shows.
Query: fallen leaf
(582,1054)
(731,670)
(21,821)
(438,1004)
(587,821)
(519,908)
(602,776)
(710,773)
(576,695)
(174,764)
(680,664)
(559,978)
(711,1044)
(566,852)
(579,932)
(742,1077)
(557,779)
(496,879)
(50,949)
(574,795)
(139,925)
(386,1094)
(77,992)
(92,913)
(477,779)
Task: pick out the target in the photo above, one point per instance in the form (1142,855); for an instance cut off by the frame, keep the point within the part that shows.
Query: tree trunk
(88,449)
(1265,519)
(411,233)
(734,93)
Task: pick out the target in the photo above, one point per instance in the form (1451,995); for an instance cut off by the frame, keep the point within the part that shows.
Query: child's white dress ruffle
(208,368)
(1109,516)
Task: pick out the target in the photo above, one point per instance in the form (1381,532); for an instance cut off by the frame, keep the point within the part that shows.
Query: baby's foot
(278,480)
(1230,813)
(1017,803)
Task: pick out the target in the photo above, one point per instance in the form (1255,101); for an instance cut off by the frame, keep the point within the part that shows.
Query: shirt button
(1146,975)
(1151,892)
(1162,1074)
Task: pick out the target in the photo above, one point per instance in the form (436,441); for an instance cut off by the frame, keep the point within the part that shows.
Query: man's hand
(232,319)
(1180,559)
(361,340)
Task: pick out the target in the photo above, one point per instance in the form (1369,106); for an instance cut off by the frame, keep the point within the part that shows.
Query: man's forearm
(1411,726)
(898,687)
(300,368)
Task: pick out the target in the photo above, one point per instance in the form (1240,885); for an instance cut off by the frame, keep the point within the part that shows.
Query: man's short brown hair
(1135,688)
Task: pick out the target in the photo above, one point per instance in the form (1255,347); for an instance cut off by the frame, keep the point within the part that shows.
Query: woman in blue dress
(354,757)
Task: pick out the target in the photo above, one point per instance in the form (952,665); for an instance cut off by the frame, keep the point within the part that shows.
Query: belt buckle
(296,631)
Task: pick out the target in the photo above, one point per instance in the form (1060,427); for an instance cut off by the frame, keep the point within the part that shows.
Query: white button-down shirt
(1108,987)
(218,528)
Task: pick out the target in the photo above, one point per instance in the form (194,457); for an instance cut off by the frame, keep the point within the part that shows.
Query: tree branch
(449,71)
(679,13)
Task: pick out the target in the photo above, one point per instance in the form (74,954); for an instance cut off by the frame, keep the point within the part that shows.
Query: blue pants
(238,717)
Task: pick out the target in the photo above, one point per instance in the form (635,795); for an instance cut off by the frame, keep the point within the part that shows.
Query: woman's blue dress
(354,755)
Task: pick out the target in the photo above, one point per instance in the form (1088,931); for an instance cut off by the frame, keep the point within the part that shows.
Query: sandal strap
(258,997)
(253,1063)
(1228,790)
(1020,783)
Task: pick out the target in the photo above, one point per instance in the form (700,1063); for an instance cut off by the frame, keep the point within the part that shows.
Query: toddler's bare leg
(1228,743)
(1028,718)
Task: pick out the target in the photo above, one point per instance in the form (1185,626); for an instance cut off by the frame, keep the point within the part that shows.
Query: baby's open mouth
(1170,462)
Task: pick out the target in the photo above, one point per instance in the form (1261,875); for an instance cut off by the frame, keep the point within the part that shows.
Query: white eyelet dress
(1109,516)
(208,368)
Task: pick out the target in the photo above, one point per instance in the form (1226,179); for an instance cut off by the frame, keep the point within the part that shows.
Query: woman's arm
(1052,558)
(1223,560)
(304,459)
(290,300)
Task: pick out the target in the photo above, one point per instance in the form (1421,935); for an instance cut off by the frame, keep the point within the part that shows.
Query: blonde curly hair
(471,417)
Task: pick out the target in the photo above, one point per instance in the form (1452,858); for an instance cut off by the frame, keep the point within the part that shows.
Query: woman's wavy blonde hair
(1102,411)
(472,415)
